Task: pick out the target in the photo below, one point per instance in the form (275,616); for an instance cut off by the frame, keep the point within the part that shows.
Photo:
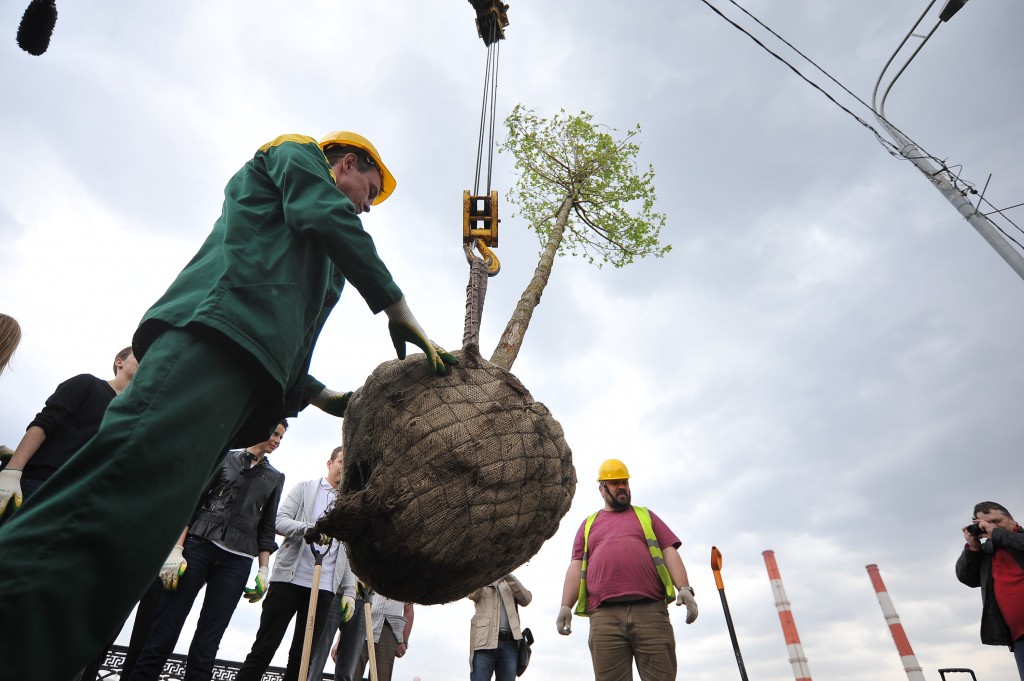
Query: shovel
(716,567)
(370,647)
(307,641)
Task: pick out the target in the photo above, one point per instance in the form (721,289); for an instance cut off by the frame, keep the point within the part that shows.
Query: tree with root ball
(454,481)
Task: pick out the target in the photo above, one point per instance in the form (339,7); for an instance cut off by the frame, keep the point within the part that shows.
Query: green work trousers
(80,553)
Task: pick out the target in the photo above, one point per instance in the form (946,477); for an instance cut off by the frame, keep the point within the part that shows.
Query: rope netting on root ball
(450,482)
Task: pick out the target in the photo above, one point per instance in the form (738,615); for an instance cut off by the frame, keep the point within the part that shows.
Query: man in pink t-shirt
(623,584)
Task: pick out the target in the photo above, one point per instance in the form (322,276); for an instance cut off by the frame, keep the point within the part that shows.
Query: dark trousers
(353,640)
(282,603)
(144,618)
(323,642)
(122,501)
(224,574)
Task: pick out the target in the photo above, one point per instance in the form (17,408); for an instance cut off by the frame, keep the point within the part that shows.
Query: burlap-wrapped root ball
(450,482)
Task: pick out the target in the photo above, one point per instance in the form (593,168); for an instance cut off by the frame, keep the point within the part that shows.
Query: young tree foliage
(581,192)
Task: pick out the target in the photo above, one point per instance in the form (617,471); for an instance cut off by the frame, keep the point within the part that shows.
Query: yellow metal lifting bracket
(480,227)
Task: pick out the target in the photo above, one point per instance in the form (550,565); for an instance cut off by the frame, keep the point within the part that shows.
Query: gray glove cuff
(322,398)
(400,313)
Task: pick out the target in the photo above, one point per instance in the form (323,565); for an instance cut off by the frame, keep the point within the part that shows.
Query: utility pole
(940,177)
(937,176)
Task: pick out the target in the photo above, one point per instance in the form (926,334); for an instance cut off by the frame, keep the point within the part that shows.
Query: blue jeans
(353,640)
(224,575)
(500,661)
(1018,654)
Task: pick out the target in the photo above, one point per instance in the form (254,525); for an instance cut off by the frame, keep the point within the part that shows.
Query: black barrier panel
(174,669)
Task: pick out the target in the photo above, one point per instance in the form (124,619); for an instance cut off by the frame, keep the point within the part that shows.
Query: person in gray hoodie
(292,580)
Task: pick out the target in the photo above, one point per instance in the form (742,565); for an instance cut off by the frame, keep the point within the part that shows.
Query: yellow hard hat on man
(612,469)
(352,139)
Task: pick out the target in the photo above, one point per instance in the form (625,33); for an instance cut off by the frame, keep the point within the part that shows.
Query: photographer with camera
(993,559)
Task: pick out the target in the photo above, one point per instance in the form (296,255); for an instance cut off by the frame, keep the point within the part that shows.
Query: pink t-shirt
(620,566)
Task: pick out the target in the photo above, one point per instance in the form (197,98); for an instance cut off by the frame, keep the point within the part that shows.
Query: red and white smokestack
(910,665)
(793,647)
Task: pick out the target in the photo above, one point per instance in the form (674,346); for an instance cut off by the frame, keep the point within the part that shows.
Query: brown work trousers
(623,632)
(385,651)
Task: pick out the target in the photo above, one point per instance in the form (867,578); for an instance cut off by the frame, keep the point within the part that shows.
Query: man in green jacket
(223,357)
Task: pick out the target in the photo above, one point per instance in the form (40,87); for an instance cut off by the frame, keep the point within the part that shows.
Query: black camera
(974,530)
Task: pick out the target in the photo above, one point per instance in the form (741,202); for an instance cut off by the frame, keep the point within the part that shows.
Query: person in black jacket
(993,559)
(233,524)
(70,417)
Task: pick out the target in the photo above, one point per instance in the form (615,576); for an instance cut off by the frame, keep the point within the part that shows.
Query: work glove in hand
(332,402)
(262,579)
(173,568)
(405,329)
(564,621)
(684,597)
(348,608)
(315,536)
(10,488)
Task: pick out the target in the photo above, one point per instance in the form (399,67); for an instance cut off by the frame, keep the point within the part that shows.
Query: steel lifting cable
(480,209)
(488,110)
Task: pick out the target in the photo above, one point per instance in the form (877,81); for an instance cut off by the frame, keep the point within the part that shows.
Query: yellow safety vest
(644,516)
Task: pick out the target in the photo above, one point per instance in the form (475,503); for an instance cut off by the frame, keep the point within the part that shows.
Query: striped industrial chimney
(907,657)
(793,647)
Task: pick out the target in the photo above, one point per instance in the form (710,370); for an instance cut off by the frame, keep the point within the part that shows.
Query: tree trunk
(512,338)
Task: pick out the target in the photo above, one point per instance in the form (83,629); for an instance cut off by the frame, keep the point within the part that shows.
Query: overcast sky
(827,364)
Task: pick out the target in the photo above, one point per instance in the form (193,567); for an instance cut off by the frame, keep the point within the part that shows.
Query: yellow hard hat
(387,180)
(612,469)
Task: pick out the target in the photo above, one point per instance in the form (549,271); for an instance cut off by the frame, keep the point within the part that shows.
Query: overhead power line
(911,151)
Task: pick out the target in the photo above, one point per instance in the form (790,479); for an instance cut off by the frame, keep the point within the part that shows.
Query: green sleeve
(312,389)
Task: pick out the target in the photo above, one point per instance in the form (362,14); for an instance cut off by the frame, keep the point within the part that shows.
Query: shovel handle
(371,648)
(716,567)
(307,640)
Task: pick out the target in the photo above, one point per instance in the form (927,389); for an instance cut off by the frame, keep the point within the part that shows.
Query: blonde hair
(10,336)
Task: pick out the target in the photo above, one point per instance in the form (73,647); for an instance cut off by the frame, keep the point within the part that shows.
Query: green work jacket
(273,268)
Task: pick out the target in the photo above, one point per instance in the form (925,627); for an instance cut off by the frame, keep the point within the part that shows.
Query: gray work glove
(405,329)
(684,597)
(259,587)
(173,568)
(564,620)
(331,401)
(348,608)
(10,488)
